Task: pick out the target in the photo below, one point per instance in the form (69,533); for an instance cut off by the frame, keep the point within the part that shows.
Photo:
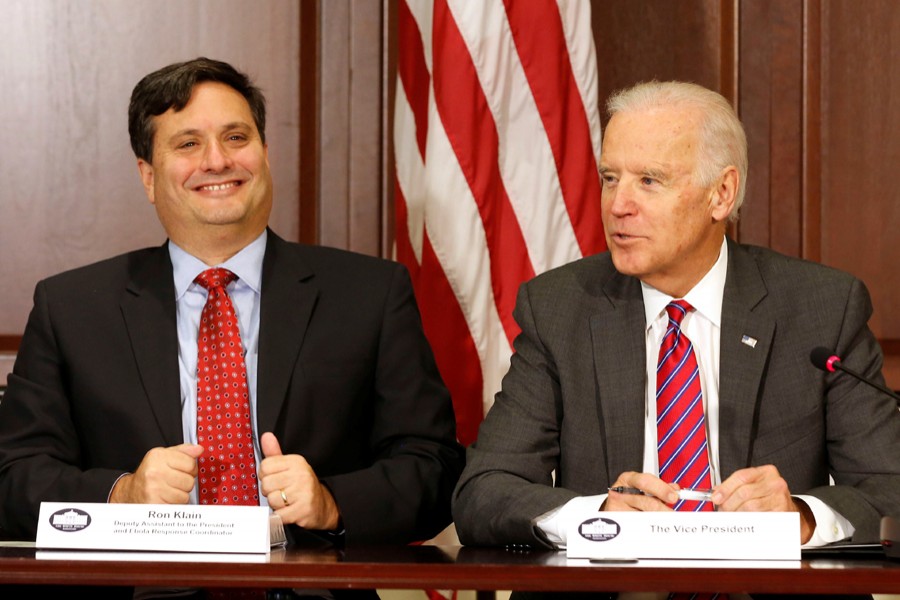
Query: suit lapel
(148,308)
(618,339)
(745,343)
(287,301)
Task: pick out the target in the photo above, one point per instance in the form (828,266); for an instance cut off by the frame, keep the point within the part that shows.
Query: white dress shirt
(702,326)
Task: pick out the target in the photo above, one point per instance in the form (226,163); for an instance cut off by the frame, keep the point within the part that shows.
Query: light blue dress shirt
(190,298)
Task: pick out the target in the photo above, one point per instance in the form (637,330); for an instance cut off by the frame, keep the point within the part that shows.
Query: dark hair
(172,86)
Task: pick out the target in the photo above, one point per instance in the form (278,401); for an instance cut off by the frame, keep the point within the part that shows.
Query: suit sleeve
(507,482)
(40,451)
(862,428)
(404,494)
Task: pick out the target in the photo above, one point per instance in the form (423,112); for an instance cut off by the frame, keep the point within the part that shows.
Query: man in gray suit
(576,414)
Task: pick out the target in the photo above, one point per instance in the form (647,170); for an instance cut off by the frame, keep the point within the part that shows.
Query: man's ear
(723,195)
(146,171)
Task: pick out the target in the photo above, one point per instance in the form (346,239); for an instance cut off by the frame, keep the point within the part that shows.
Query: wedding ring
(283,498)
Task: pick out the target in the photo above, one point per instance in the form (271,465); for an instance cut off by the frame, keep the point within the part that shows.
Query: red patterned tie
(680,424)
(227,467)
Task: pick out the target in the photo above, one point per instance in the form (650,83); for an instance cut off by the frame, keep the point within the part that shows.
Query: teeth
(218,187)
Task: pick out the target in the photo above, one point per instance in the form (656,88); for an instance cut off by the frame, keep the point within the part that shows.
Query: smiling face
(209,179)
(660,226)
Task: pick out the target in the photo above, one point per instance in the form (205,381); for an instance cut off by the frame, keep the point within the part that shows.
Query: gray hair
(722,140)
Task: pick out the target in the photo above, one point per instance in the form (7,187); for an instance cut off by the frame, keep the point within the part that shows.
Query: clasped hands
(760,489)
(167,475)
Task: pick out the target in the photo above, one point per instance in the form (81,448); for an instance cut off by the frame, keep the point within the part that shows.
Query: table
(445,567)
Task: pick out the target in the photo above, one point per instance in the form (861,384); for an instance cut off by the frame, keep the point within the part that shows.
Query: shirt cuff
(109,495)
(555,524)
(831,526)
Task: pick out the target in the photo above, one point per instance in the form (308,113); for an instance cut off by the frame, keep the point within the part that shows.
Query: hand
(165,476)
(762,489)
(309,503)
(658,495)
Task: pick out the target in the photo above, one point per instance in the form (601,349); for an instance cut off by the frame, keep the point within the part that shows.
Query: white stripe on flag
(455,230)
(508,187)
(410,171)
(526,160)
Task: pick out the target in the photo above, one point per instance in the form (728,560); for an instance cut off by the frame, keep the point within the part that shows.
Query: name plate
(158,527)
(694,535)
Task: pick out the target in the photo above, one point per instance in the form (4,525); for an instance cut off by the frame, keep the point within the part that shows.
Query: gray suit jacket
(573,399)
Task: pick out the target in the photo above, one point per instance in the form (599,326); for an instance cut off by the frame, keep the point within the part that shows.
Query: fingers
(643,492)
(164,476)
(192,450)
(183,459)
(293,490)
(281,475)
(737,480)
(311,507)
(754,489)
(285,473)
(269,445)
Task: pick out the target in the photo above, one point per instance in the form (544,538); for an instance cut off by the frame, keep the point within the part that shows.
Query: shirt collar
(246,264)
(706,297)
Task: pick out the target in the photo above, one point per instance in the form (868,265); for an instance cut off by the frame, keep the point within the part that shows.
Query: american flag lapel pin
(750,341)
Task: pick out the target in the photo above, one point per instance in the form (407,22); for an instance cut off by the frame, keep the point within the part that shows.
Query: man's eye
(188,145)
(607,179)
(648,180)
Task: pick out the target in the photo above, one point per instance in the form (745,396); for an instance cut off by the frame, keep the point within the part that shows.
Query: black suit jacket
(346,378)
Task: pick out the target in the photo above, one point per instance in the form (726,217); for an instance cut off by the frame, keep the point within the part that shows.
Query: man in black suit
(353,429)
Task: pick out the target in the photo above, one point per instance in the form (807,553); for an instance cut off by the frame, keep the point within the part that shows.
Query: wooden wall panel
(860,202)
(660,39)
(71,192)
(350,128)
(308,107)
(820,119)
(770,92)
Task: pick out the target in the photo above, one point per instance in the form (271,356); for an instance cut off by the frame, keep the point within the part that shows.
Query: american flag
(496,141)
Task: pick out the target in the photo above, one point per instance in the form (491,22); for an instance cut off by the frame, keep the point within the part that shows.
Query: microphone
(826,360)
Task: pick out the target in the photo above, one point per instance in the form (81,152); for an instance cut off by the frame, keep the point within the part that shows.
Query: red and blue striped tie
(680,423)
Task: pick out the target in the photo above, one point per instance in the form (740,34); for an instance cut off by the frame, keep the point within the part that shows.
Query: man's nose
(620,199)
(216,157)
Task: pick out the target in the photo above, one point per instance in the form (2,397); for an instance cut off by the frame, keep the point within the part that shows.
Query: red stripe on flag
(453,91)
(443,321)
(472,133)
(413,71)
(446,329)
(545,58)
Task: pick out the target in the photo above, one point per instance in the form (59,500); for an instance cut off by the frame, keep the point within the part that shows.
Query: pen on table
(684,494)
